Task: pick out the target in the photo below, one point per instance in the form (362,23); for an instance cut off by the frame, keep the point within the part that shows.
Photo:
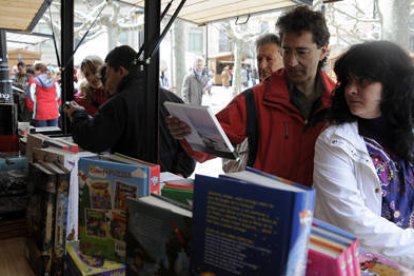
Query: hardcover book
(104,185)
(158,237)
(47,216)
(207,134)
(250,223)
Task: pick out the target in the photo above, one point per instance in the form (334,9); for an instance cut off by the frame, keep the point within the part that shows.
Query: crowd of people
(352,139)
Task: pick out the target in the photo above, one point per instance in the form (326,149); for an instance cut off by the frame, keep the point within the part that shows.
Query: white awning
(205,11)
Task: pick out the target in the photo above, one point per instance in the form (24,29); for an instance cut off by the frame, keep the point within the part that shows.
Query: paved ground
(220,98)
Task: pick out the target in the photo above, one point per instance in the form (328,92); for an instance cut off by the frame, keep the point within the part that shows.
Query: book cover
(153,169)
(158,237)
(65,162)
(104,186)
(41,209)
(250,224)
(78,264)
(376,264)
(207,134)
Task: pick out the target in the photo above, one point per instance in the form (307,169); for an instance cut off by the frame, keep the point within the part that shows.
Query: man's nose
(290,60)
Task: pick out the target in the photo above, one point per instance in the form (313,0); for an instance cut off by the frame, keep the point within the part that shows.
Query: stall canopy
(205,11)
(21,15)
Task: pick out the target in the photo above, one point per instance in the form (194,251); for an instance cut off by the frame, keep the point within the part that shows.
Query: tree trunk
(395,14)
(179,65)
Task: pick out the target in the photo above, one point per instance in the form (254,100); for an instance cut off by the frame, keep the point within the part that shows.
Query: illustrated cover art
(96,224)
(80,264)
(123,191)
(100,194)
(158,237)
(104,186)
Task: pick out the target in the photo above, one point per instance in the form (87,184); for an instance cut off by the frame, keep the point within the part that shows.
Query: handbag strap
(251,126)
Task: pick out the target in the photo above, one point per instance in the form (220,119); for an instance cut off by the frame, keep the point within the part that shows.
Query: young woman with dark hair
(364,170)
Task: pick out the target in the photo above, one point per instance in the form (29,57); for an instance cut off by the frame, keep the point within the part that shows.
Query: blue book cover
(246,227)
(104,187)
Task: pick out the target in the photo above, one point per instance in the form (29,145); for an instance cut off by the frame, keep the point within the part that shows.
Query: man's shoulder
(166,95)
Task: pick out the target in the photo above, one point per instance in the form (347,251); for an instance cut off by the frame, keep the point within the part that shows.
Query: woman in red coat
(43,97)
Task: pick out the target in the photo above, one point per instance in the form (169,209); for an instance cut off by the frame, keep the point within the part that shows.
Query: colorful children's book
(158,237)
(105,183)
(373,264)
(250,223)
(78,264)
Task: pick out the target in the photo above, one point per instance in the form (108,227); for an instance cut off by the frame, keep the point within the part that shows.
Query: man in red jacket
(291,104)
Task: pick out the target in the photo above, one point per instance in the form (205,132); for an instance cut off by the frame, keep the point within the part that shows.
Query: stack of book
(179,190)
(43,141)
(105,182)
(47,216)
(332,251)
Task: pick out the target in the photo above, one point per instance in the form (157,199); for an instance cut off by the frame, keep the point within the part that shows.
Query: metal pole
(151,31)
(6,91)
(67,13)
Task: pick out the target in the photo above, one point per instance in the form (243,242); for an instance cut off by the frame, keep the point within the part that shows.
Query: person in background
(164,81)
(225,76)
(43,98)
(91,90)
(20,83)
(268,55)
(269,60)
(173,157)
(119,125)
(291,104)
(195,83)
(21,78)
(364,169)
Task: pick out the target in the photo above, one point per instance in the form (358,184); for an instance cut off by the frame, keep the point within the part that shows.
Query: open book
(207,134)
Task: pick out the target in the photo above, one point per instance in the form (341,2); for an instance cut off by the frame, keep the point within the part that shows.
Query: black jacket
(173,158)
(120,126)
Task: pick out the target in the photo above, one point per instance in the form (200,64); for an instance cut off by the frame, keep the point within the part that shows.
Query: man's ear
(324,52)
(123,71)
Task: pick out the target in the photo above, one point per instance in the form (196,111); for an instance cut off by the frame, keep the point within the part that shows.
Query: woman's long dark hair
(387,63)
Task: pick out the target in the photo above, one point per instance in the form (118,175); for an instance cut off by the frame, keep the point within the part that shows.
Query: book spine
(302,214)
(154,180)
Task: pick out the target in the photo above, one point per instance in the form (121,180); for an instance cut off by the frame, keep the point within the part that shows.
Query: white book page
(207,134)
